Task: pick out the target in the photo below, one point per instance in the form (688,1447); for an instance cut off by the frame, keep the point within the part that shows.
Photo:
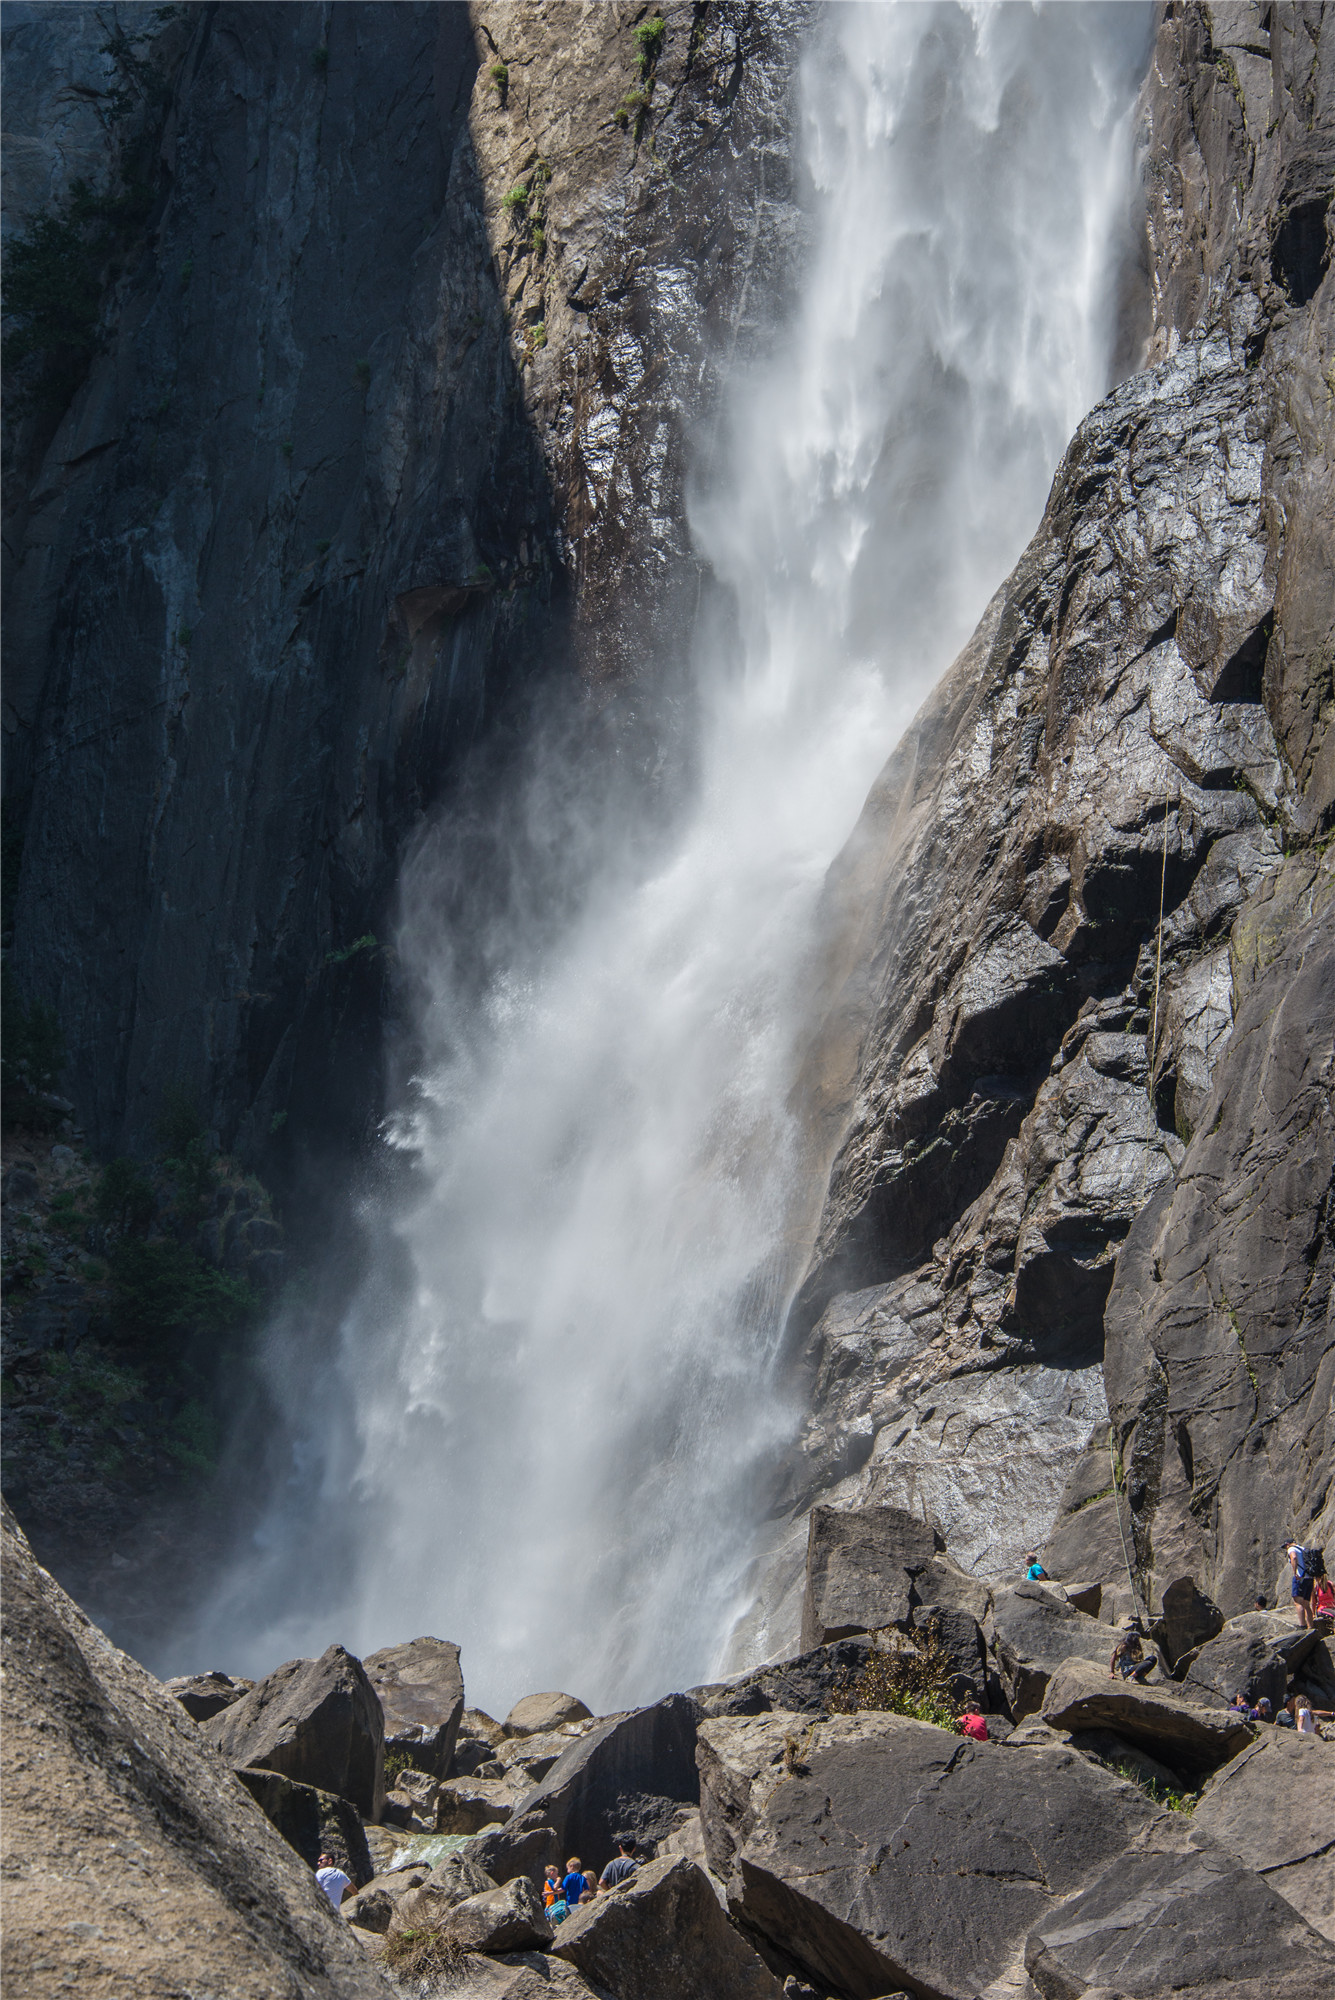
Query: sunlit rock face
(1018,1055)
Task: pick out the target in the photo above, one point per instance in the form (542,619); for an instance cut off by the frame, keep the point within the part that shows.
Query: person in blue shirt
(574,1885)
(1034,1571)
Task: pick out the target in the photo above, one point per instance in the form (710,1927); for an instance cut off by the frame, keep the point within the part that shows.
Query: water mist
(555,1397)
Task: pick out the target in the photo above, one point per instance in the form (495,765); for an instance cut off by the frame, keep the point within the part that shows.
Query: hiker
(1263,1712)
(1304,1566)
(1129,1658)
(622,1864)
(551,1885)
(1304,1721)
(1241,1706)
(574,1885)
(1323,1598)
(972,1725)
(1034,1570)
(336,1885)
(1261,1604)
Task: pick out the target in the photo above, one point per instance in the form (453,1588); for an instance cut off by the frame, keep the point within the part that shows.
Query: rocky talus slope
(1071,1094)
(383,423)
(818,1829)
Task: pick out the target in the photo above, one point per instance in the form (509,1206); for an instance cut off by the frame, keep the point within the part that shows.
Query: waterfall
(543,1425)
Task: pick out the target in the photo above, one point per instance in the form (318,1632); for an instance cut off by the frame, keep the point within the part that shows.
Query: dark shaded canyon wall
(368,453)
(1008,1070)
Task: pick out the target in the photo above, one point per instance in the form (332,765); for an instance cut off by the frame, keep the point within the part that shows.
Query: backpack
(1311,1564)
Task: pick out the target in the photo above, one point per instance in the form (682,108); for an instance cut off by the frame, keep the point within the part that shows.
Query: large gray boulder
(134,1863)
(537,1713)
(523,1846)
(630,1775)
(507,1918)
(870,1567)
(1190,1737)
(317,1721)
(466,1805)
(801,1686)
(427,1904)
(203,1696)
(899,1855)
(662,1932)
(421,1691)
(1253,1655)
(1033,1630)
(1177,1916)
(741,1760)
(1273,1809)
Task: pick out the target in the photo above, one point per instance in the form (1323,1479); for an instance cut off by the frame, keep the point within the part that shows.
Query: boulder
(662,1932)
(532,1757)
(1272,1810)
(507,1918)
(1253,1655)
(741,1760)
(529,1975)
(311,1821)
(1188,1619)
(1119,1755)
(413,1801)
(130,1850)
(522,1846)
(869,1567)
(1177,1916)
(629,1775)
(466,1805)
(1033,1630)
(317,1721)
(537,1713)
(373,1905)
(801,1686)
(203,1696)
(430,1902)
(900,1855)
(421,1692)
(1188,1736)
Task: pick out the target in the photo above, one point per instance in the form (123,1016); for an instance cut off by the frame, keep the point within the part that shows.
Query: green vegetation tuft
(908,1677)
(353,950)
(424,1956)
(499,74)
(320,59)
(516,201)
(649,37)
(165,1297)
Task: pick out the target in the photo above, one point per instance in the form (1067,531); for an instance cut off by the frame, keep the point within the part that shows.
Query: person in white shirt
(336,1885)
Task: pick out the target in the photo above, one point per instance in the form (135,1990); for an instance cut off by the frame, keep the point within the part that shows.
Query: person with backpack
(1307,1565)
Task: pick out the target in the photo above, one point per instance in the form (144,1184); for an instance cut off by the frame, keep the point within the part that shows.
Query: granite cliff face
(385,426)
(1020,1068)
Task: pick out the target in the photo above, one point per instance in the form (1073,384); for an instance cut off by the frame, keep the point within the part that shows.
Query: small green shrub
(649,37)
(1155,1789)
(124,1200)
(276,1123)
(537,336)
(635,104)
(353,950)
(499,74)
(179,1121)
(362,370)
(184,637)
(195,1439)
(516,201)
(164,1297)
(322,548)
(906,1678)
(287,447)
(538,238)
(320,59)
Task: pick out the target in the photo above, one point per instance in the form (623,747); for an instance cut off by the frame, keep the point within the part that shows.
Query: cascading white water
(558,1434)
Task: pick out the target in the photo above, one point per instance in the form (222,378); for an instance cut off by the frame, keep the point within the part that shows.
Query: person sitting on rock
(1303,1581)
(1263,1712)
(1323,1598)
(622,1864)
(336,1885)
(573,1886)
(1129,1658)
(1241,1706)
(1034,1571)
(971,1724)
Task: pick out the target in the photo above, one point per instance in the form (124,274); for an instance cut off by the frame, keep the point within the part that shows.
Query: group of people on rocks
(563,1893)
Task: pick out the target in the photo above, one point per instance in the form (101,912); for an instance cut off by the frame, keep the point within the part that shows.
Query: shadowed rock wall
(370,450)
